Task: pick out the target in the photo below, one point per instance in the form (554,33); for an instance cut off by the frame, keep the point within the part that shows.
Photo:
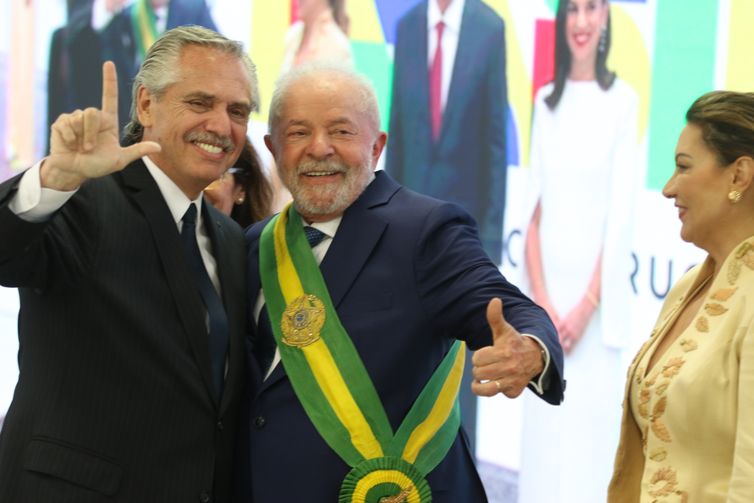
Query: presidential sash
(335,389)
(144,22)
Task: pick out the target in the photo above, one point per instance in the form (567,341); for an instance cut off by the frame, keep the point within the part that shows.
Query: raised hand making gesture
(510,363)
(85,143)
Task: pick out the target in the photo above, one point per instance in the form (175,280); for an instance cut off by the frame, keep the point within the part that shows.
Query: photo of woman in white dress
(583,183)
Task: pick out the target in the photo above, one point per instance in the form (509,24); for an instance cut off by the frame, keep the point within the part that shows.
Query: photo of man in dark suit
(448,110)
(132,298)
(398,277)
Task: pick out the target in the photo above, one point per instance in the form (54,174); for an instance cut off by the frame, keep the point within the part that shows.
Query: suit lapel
(148,197)
(359,232)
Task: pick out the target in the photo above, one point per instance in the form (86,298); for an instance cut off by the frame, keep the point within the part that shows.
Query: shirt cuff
(34,203)
(540,382)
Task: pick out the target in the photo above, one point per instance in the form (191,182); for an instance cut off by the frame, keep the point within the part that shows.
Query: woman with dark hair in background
(687,432)
(584,178)
(243,192)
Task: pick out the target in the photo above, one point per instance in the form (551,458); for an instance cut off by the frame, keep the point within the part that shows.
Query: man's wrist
(540,381)
(51,177)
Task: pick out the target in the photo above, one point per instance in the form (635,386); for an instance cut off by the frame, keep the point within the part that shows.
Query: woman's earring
(240,199)
(734,196)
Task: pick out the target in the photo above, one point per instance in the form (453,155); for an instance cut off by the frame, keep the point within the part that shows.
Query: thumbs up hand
(510,363)
(84,144)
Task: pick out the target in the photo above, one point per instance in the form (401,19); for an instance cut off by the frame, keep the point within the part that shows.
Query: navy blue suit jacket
(407,276)
(467,163)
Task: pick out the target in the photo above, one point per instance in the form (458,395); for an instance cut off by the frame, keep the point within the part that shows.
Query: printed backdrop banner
(660,62)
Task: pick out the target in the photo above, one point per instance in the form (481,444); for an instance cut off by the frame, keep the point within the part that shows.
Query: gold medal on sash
(302,321)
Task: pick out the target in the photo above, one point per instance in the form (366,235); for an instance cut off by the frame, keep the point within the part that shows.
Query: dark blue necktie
(218,319)
(264,346)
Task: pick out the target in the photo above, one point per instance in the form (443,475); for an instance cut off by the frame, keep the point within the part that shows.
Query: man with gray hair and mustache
(132,290)
(367,293)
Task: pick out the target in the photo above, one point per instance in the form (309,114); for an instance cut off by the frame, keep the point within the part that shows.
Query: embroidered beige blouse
(687,433)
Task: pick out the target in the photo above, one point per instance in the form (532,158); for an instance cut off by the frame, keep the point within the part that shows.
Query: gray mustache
(224,142)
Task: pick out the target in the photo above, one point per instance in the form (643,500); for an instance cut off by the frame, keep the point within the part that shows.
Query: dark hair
(605,77)
(249,174)
(726,119)
(340,15)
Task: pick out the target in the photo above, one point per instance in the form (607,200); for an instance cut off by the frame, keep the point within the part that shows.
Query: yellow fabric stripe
(320,358)
(290,284)
(379,476)
(441,409)
(336,392)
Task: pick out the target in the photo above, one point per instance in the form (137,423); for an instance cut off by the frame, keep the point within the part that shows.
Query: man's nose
(320,146)
(219,122)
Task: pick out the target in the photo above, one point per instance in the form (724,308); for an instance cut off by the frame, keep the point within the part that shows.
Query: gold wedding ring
(497,383)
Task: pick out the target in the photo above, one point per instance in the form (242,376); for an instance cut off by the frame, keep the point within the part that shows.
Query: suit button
(204,497)
(220,425)
(259,422)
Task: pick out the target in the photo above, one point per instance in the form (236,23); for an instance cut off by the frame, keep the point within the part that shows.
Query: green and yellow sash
(144,22)
(335,389)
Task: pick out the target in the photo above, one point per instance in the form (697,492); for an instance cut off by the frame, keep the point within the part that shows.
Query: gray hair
(160,68)
(361,87)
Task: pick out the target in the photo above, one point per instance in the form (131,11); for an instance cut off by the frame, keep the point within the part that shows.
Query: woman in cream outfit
(583,183)
(687,433)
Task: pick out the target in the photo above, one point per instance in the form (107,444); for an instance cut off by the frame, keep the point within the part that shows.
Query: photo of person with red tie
(448,111)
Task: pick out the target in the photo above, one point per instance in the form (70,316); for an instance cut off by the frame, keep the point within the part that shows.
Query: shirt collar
(451,18)
(176,200)
(329,228)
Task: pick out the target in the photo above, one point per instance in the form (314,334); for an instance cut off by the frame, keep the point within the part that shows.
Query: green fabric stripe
(436,450)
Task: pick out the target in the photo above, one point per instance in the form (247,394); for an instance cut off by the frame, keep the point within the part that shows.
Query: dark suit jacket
(114,398)
(407,276)
(467,164)
(119,44)
(74,77)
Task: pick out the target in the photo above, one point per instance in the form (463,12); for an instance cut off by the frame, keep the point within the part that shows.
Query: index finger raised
(109,89)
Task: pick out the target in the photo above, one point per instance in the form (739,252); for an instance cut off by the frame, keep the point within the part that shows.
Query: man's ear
(144,101)
(270,145)
(378,146)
